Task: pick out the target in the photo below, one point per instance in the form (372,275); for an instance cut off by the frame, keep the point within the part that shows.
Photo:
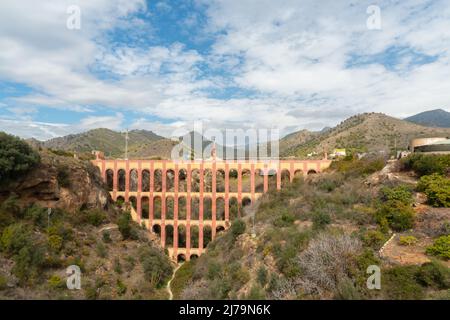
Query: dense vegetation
(41,248)
(315,239)
(16,157)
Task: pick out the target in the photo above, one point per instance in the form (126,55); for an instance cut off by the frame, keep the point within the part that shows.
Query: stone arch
(195,180)
(181,258)
(246,201)
(220,180)
(220,209)
(110,179)
(169,208)
(157,179)
(207,236)
(298,174)
(145,204)
(195,208)
(259,181)
(133,202)
(219,229)
(120,201)
(207,180)
(157,207)
(207,208)
(181,236)
(169,236)
(194,256)
(145,180)
(233,205)
(170,180)
(312,171)
(157,229)
(182,208)
(285,178)
(272,179)
(246,180)
(194,236)
(233,176)
(133,180)
(121,180)
(182,183)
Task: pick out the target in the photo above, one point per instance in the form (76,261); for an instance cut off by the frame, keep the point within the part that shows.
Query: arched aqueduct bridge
(188,203)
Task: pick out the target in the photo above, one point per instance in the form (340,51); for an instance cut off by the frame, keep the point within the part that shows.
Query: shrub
(95,217)
(106,237)
(55,243)
(63,176)
(15,237)
(400,193)
(374,238)
(399,283)
(16,157)
(407,240)
(124,224)
(396,214)
(55,282)
(121,288)
(434,274)
(427,164)
(437,189)
(262,276)
(286,219)
(321,219)
(101,250)
(157,268)
(440,247)
(237,228)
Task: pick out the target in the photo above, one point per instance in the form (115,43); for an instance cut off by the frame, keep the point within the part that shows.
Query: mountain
(142,143)
(363,132)
(432,118)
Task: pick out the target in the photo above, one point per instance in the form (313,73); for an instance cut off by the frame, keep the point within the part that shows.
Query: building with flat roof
(430,145)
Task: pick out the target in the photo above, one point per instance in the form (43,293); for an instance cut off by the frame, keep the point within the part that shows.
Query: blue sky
(161,65)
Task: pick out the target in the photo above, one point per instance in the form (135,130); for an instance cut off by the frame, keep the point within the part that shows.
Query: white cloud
(292,55)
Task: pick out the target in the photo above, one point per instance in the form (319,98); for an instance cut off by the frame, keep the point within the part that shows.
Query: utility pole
(126,144)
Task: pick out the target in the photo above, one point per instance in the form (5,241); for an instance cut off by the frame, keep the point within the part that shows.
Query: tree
(16,157)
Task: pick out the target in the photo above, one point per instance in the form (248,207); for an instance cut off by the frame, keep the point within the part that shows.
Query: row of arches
(180,240)
(155,208)
(146,182)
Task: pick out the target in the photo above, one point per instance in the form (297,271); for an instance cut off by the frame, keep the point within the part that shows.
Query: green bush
(63,176)
(16,157)
(396,214)
(95,217)
(400,193)
(427,164)
(440,247)
(55,243)
(262,276)
(15,237)
(286,219)
(124,224)
(374,238)
(437,189)
(407,240)
(321,219)
(55,282)
(400,283)
(157,268)
(434,274)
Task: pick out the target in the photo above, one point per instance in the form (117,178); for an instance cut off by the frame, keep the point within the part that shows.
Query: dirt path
(169,289)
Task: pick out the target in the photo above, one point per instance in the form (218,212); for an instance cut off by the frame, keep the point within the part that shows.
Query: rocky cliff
(61,182)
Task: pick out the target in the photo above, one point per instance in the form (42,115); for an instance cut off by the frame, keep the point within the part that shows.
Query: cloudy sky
(160,65)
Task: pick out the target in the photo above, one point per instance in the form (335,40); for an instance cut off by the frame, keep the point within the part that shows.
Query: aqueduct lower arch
(192,201)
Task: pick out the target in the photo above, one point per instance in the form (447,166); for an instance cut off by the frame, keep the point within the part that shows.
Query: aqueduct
(188,202)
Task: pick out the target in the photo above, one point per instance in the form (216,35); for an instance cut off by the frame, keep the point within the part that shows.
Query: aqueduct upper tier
(188,202)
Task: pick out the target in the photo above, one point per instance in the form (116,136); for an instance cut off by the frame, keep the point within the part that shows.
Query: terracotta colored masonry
(190,223)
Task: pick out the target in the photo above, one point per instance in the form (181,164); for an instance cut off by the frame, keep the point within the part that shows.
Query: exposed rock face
(62,182)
